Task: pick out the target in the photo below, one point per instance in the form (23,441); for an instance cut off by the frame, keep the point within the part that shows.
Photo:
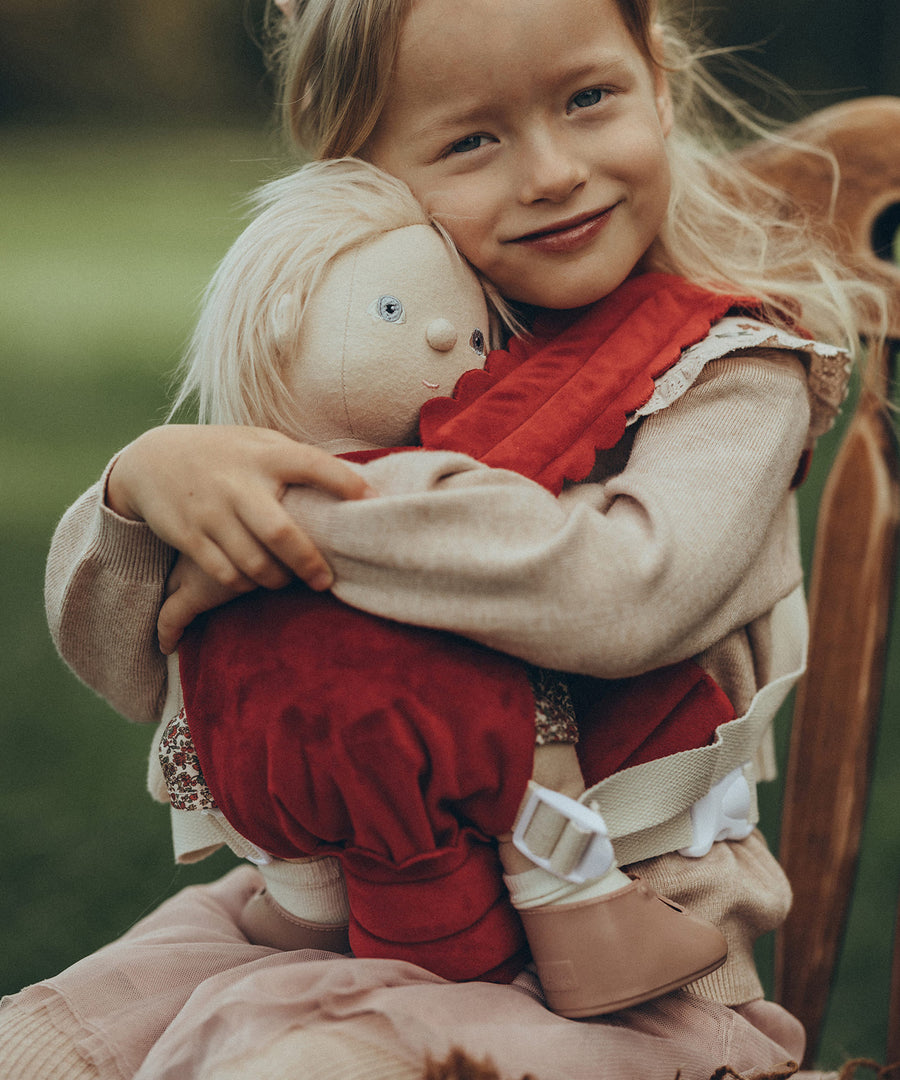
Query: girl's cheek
(453,215)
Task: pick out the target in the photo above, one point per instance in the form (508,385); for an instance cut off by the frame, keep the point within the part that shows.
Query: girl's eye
(476,342)
(470,142)
(388,308)
(584,99)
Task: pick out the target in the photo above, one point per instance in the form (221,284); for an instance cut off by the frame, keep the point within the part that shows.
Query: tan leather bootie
(610,952)
(265,922)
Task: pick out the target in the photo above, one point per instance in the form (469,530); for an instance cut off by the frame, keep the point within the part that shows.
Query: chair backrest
(852,583)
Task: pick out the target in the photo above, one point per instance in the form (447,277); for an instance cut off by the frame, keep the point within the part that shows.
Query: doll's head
(336,314)
(391,324)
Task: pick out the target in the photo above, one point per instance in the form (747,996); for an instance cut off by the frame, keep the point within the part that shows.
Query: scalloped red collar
(544,406)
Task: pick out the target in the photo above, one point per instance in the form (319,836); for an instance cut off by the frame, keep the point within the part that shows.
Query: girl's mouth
(567,236)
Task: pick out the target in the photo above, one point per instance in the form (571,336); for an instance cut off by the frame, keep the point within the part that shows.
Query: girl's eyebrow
(442,124)
(598,68)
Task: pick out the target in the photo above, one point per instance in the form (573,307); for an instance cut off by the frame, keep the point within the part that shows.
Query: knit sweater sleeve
(104,585)
(693,539)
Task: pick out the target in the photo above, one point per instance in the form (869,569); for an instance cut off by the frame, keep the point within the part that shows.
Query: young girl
(334,317)
(561,144)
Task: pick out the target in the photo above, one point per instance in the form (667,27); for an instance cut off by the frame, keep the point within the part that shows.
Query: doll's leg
(601,941)
(301,905)
(402,751)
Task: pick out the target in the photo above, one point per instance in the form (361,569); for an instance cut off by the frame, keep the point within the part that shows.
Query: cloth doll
(341,337)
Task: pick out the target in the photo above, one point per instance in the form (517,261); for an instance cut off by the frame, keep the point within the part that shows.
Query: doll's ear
(282,319)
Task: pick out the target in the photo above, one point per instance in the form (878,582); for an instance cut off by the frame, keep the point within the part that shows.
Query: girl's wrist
(115,497)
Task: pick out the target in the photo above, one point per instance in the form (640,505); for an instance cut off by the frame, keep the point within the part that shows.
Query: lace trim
(828,368)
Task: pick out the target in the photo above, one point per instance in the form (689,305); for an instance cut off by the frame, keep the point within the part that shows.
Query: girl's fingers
(218,564)
(174,617)
(312,467)
(282,541)
(182,606)
(189,591)
(259,544)
(214,493)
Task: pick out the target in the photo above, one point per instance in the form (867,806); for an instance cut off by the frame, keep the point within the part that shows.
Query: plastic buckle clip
(563,836)
(722,814)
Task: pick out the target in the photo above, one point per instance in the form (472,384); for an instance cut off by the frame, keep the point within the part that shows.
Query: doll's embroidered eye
(476,342)
(388,308)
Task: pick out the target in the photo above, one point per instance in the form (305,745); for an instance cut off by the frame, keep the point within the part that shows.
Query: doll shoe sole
(265,922)
(611,952)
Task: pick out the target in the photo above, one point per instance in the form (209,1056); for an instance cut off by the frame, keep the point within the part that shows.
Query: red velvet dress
(402,750)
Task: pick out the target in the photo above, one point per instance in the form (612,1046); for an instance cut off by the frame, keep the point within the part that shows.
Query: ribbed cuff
(33,1048)
(311,889)
(130,548)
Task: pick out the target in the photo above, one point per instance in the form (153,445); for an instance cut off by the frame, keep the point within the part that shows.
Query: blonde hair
(334,60)
(725,229)
(253,307)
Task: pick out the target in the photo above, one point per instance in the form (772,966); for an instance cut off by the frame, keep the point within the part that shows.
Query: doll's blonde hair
(725,229)
(252,310)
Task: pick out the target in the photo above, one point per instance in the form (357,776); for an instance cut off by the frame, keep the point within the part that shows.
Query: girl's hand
(214,493)
(189,592)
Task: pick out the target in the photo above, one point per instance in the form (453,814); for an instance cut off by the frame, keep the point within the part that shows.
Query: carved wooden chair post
(852,583)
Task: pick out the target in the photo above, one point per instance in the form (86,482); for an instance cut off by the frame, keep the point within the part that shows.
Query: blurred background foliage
(131,61)
(138,61)
(130,131)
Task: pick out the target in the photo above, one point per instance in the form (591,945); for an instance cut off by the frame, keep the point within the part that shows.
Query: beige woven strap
(647,808)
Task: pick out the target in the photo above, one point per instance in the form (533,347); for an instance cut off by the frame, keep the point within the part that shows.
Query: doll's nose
(441,335)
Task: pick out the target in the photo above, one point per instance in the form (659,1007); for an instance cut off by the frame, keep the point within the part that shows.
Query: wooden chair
(852,584)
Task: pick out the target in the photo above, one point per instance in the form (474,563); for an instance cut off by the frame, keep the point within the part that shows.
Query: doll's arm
(692,540)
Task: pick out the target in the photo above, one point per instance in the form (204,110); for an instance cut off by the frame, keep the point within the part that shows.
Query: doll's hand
(189,592)
(214,493)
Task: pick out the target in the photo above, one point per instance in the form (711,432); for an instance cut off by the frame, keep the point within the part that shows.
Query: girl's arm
(696,537)
(227,515)
(214,493)
(104,585)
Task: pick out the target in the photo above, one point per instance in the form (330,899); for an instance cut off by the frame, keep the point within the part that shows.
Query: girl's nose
(550,171)
(441,335)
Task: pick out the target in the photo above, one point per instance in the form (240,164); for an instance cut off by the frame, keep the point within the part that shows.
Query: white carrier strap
(648,808)
(308,888)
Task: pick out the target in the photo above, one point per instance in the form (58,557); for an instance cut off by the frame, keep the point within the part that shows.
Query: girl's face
(534,131)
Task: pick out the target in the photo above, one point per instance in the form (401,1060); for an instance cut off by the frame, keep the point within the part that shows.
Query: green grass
(107,241)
